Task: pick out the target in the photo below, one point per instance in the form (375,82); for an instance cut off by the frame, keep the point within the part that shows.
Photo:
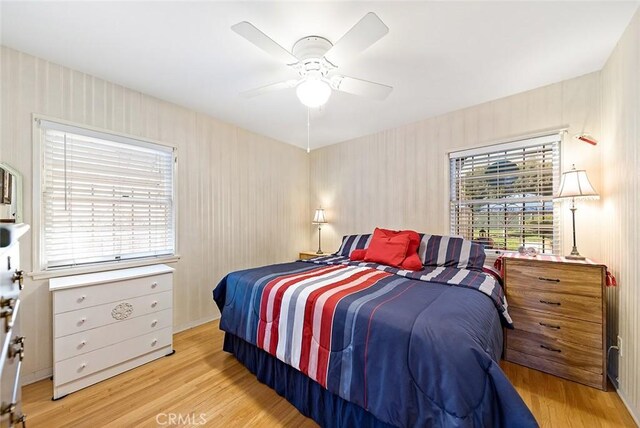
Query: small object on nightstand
(306,255)
(527,251)
(558,309)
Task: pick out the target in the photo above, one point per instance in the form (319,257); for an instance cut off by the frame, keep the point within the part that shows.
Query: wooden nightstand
(306,255)
(559,313)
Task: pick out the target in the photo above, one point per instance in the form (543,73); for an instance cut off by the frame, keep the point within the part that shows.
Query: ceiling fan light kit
(314,58)
(313,93)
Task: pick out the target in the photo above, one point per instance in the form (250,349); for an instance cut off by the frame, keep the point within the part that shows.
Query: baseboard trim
(28,378)
(192,324)
(635,414)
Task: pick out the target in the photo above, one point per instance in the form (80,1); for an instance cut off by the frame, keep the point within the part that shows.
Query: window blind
(502,196)
(104,197)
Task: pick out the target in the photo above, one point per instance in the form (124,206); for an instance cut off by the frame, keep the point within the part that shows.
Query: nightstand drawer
(558,327)
(560,351)
(568,305)
(557,277)
(575,374)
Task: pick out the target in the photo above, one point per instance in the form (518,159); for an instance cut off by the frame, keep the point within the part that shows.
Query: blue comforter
(410,351)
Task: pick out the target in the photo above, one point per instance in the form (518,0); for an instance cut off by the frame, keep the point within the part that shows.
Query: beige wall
(621,204)
(399,178)
(238,207)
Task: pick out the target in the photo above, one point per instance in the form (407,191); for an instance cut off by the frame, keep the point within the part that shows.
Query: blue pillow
(451,251)
(353,242)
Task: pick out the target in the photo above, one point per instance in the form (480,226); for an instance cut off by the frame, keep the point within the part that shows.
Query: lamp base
(575,255)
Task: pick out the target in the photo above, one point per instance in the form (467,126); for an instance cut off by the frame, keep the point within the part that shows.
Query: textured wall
(621,205)
(242,198)
(399,178)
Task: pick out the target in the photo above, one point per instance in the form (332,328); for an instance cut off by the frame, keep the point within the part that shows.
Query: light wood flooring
(201,379)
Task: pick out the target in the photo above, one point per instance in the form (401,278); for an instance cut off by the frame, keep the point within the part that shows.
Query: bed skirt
(311,399)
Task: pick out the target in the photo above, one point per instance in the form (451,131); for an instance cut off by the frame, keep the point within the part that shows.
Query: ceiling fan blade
(366,32)
(269,88)
(264,42)
(364,88)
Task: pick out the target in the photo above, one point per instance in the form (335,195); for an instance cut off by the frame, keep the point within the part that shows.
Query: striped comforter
(481,281)
(414,349)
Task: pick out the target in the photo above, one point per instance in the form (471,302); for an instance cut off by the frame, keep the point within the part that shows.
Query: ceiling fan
(315,58)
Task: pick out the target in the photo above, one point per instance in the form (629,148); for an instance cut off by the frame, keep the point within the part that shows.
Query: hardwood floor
(202,383)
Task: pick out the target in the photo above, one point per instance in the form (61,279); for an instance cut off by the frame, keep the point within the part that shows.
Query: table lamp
(319,219)
(575,185)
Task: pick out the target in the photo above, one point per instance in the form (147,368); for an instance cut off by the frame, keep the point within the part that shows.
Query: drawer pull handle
(153,342)
(8,308)
(154,284)
(81,298)
(14,418)
(557,327)
(154,323)
(18,275)
(546,302)
(542,278)
(82,320)
(16,348)
(83,365)
(82,343)
(154,303)
(549,348)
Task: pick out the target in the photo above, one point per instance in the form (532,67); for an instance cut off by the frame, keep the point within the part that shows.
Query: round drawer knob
(153,342)
(82,320)
(154,303)
(83,365)
(82,343)
(154,323)
(81,298)
(154,284)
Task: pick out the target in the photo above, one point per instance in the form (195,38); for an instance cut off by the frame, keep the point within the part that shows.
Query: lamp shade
(576,184)
(319,217)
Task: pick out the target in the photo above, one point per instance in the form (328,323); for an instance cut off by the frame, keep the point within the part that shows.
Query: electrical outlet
(619,346)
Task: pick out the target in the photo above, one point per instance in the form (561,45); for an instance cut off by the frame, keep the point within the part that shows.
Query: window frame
(39,271)
(508,144)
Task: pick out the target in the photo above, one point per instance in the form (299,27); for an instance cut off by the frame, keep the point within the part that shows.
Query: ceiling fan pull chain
(308,127)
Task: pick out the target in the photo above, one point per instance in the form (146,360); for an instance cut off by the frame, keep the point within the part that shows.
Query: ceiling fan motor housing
(310,50)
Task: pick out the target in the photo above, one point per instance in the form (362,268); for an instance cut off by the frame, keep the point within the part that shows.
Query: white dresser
(11,340)
(109,322)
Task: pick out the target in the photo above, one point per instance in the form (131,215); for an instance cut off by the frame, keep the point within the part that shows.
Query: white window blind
(502,196)
(104,197)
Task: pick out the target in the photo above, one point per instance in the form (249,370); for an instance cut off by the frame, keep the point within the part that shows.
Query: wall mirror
(10,195)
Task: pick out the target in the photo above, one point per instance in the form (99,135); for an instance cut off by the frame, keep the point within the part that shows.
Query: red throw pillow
(390,251)
(357,255)
(412,261)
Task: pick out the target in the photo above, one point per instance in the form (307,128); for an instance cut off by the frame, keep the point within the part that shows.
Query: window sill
(55,273)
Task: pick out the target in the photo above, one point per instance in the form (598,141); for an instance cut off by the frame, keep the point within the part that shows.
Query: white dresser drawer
(100,359)
(83,297)
(97,316)
(90,340)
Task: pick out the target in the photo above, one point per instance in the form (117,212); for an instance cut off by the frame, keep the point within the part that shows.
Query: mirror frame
(17,179)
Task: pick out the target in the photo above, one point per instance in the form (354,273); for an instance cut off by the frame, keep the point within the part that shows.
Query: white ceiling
(438,56)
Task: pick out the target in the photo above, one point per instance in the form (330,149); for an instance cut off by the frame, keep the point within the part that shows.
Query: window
(502,196)
(103,197)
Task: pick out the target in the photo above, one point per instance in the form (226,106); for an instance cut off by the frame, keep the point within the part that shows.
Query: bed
(363,344)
